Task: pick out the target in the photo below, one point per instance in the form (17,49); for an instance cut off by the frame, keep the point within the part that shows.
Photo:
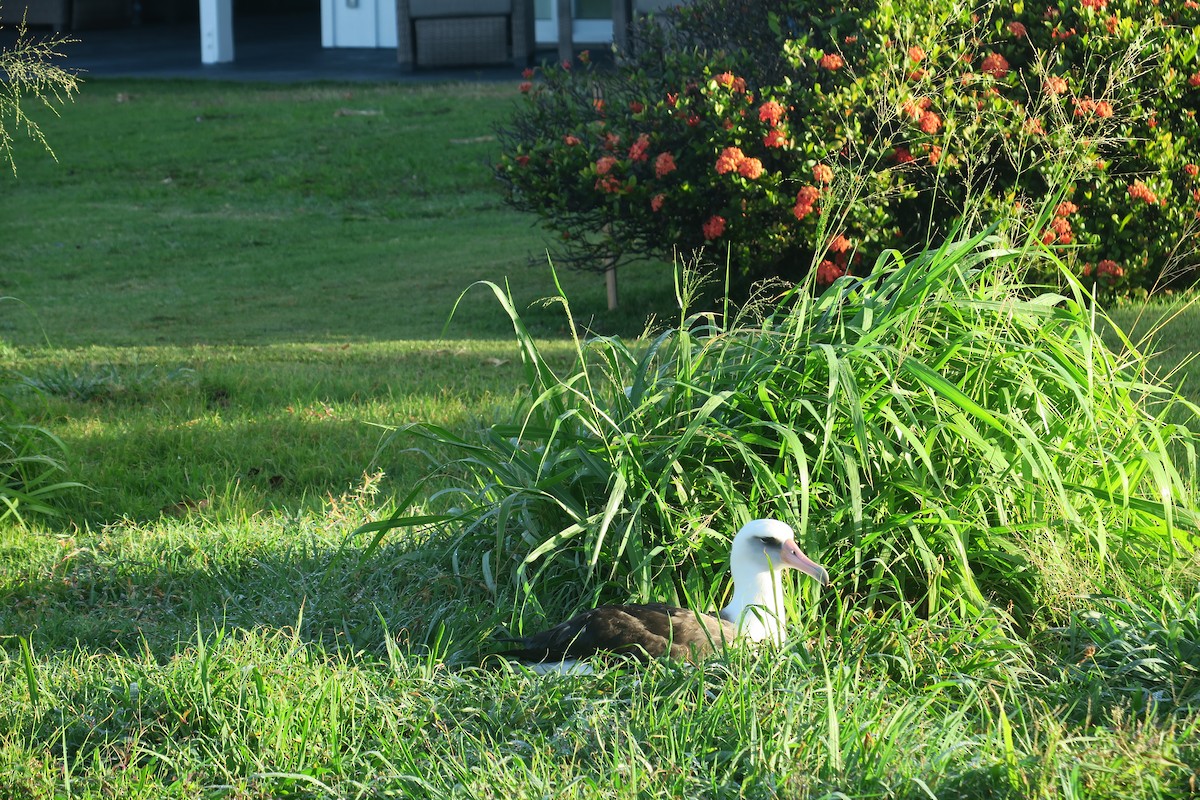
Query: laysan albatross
(759,553)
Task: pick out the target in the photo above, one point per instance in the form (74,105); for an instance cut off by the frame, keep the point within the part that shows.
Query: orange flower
(823,173)
(724,79)
(995,65)
(1109,269)
(1065,209)
(902,155)
(637,151)
(729,159)
(1192,170)
(714,227)
(931,122)
(804,201)
(525,87)
(605,165)
(1194,80)
(1054,85)
(828,272)
(770,112)
(1017,29)
(1140,191)
(832,62)
(656,202)
(664,164)
(750,168)
(839,244)
(570,141)
(775,138)
(608,184)
(916,53)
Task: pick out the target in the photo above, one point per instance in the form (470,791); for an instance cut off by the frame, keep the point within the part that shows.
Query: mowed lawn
(221,293)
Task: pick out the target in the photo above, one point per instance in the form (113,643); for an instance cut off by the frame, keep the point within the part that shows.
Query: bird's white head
(762,549)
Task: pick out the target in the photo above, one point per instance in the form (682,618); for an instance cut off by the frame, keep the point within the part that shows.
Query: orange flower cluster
(729,81)
(1194,80)
(732,159)
(930,122)
(1192,170)
(832,62)
(995,65)
(1107,270)
(637,151)
(1054,85)
(823,173)
(916,53)
(775,138)
(828,272)
(656,202)
(1017,29)
(729,159)
(915,108)
(664,164)
(1059,231)
(1086,105)
(1095,5)
(839,244)
(770,112)
(750,168)
(805,200)
(1140,191)
(714,227)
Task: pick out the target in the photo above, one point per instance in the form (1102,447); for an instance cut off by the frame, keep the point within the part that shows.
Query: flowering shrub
(809,137)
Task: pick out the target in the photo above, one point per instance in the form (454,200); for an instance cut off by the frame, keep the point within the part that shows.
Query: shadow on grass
(111,597)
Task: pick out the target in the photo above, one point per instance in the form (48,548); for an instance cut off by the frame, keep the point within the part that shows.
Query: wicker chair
(452,33)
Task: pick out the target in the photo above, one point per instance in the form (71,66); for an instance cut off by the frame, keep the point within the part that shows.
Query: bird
(760,551)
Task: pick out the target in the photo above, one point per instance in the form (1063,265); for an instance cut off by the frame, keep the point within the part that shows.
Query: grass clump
(935,434)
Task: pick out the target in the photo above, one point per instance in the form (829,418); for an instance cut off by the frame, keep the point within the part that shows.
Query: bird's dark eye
(767,540)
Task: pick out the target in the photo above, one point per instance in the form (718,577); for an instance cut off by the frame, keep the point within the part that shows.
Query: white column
(216,31)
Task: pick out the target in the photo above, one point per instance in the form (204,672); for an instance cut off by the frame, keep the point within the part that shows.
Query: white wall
(358,23)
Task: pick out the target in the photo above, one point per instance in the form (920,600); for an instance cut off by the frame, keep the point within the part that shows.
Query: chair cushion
(425,9)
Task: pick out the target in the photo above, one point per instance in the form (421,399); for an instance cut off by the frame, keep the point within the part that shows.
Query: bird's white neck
(757,607)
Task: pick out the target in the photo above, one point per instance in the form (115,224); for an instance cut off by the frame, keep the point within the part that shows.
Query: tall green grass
(936,434)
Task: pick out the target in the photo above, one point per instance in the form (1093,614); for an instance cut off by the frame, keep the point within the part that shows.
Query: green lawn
(220,289)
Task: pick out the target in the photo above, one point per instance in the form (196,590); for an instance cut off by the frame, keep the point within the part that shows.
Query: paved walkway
(275,48)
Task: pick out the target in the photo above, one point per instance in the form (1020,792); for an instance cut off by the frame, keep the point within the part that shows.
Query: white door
(591,21)
(358,23)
